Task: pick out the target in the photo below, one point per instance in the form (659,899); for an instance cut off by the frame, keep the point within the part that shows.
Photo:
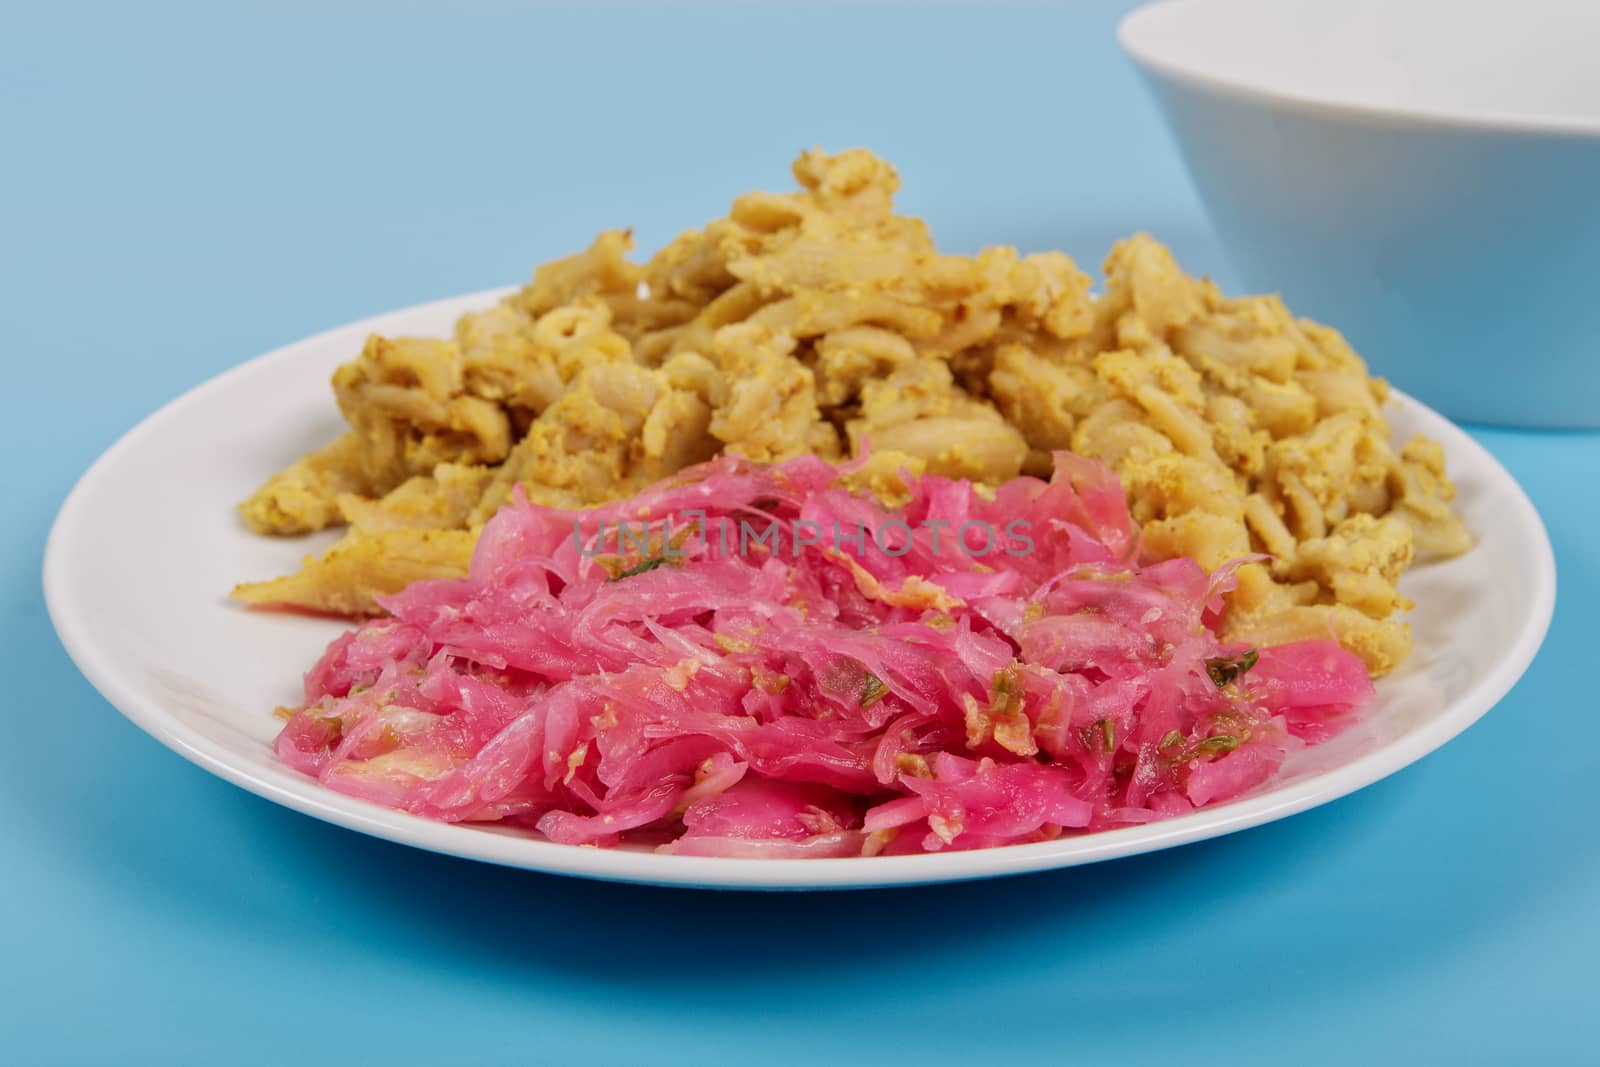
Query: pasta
(821,322)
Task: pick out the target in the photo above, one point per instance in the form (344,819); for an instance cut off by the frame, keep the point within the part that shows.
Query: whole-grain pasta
(820,321)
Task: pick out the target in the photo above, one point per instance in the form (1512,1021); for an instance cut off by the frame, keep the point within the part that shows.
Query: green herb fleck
(1108,734)
(1217,744)
(1227,669)
(1169,739)
(1005,696)
(873,691)
(640,567)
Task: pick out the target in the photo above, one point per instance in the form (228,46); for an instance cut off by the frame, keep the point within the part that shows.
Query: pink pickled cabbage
(825,699)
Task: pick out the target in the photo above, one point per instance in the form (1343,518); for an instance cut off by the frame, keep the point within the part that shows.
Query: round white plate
(147,545)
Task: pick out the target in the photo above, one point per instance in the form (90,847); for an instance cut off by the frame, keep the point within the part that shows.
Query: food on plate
(756,660)
(817,322)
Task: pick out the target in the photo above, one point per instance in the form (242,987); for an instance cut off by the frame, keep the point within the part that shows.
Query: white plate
(147,545)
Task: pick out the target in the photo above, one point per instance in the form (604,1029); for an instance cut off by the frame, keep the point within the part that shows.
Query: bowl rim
(1320,106)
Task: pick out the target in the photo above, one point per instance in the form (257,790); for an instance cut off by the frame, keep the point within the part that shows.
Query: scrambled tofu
(821,322)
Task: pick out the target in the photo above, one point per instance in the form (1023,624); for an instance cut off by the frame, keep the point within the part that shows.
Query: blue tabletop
(187,187)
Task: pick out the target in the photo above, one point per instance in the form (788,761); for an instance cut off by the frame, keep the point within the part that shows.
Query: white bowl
(1422,174)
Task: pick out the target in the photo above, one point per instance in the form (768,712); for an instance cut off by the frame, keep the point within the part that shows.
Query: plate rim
(305,795)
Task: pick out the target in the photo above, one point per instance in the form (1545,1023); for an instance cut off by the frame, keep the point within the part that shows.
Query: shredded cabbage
(775,698)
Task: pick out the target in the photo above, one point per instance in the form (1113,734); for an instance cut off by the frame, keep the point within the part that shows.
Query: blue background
(185,188)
